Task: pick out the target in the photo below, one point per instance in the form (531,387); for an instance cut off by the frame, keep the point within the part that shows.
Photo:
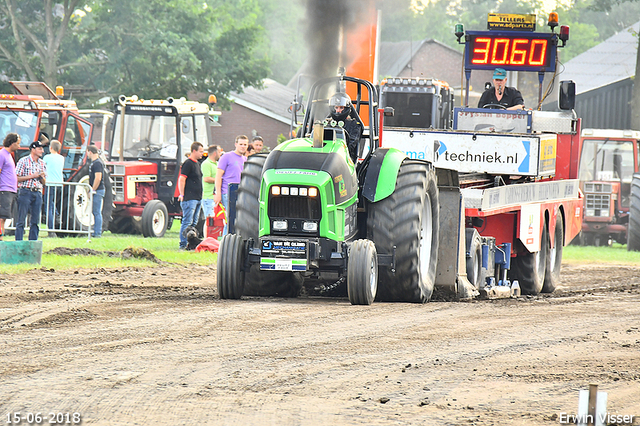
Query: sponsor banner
(470,152)
(478,120)
(511,22)
(284,248)
(417,145)
(529,193)
(548,146)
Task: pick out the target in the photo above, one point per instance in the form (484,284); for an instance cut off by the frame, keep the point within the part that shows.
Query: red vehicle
(146,154)
(37,109)
(101,135)
(608,162)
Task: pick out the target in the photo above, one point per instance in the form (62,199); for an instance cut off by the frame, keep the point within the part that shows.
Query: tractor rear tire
(154,219)
(259,283)
(362,272)
(633,239)
(76,210)
(408,221)
(529,269)
(230,276)
(554,259)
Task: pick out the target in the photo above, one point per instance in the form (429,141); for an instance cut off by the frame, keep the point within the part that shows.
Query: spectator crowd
(32,187)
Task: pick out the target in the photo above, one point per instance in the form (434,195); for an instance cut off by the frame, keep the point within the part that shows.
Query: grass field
(166,249)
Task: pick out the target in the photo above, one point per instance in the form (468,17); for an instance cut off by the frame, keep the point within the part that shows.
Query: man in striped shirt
(31,172)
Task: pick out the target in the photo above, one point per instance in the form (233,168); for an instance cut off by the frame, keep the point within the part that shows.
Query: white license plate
(284,265)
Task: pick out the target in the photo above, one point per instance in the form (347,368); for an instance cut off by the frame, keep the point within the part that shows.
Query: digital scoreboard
(515,51)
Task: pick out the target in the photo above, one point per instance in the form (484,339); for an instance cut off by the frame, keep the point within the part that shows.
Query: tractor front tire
(633,239)
(362,272)
(154,219)
(230,276)
(408,221)
(529,269)
(259,283)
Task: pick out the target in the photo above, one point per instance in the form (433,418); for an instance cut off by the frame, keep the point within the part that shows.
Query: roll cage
(366,100)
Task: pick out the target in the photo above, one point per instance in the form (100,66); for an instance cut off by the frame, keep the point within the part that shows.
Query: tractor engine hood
(128,168)
(342,172)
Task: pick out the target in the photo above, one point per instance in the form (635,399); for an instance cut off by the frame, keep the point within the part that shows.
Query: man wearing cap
(31,172)
(500,94)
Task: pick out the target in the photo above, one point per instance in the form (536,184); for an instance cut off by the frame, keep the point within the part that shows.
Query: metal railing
(66,210)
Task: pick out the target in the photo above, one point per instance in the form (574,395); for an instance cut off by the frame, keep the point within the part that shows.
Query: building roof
(612,60)
(273,100)
(394,56)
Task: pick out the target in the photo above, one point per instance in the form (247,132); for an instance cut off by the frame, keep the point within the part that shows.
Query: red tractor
(608,161)
(36,109)
(146,154)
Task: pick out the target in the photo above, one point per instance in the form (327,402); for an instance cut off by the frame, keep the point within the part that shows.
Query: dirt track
(156,346)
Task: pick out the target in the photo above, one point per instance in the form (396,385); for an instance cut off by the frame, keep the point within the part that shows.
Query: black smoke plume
(328,22)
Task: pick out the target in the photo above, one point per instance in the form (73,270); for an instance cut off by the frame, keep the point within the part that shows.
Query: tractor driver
(499,95)
(340,110)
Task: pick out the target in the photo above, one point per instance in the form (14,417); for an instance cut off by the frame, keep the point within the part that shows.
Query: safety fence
(66,211)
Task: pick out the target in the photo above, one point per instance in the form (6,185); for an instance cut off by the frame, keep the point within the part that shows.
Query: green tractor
(339,220)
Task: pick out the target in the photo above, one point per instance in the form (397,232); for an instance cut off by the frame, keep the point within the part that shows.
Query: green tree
(32,33)
(159,48)
(153,48)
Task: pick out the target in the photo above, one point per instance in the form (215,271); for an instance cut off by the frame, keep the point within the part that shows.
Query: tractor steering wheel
(494,106)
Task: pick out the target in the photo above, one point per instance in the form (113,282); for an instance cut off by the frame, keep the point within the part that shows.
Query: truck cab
(425,103)
(608,160)
(37,109)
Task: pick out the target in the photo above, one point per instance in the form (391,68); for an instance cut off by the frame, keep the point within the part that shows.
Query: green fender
(382,173)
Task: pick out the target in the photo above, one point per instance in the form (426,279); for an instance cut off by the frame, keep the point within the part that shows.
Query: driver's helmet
(343,100)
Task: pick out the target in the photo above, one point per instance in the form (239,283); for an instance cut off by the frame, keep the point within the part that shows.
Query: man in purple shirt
(8,178)
(230,168)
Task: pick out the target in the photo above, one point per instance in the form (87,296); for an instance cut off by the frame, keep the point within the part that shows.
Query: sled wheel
(554,260)
(529,269)
(474,258)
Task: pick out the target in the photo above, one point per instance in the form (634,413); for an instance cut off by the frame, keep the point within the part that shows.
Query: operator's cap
(499,74)
(35,145)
